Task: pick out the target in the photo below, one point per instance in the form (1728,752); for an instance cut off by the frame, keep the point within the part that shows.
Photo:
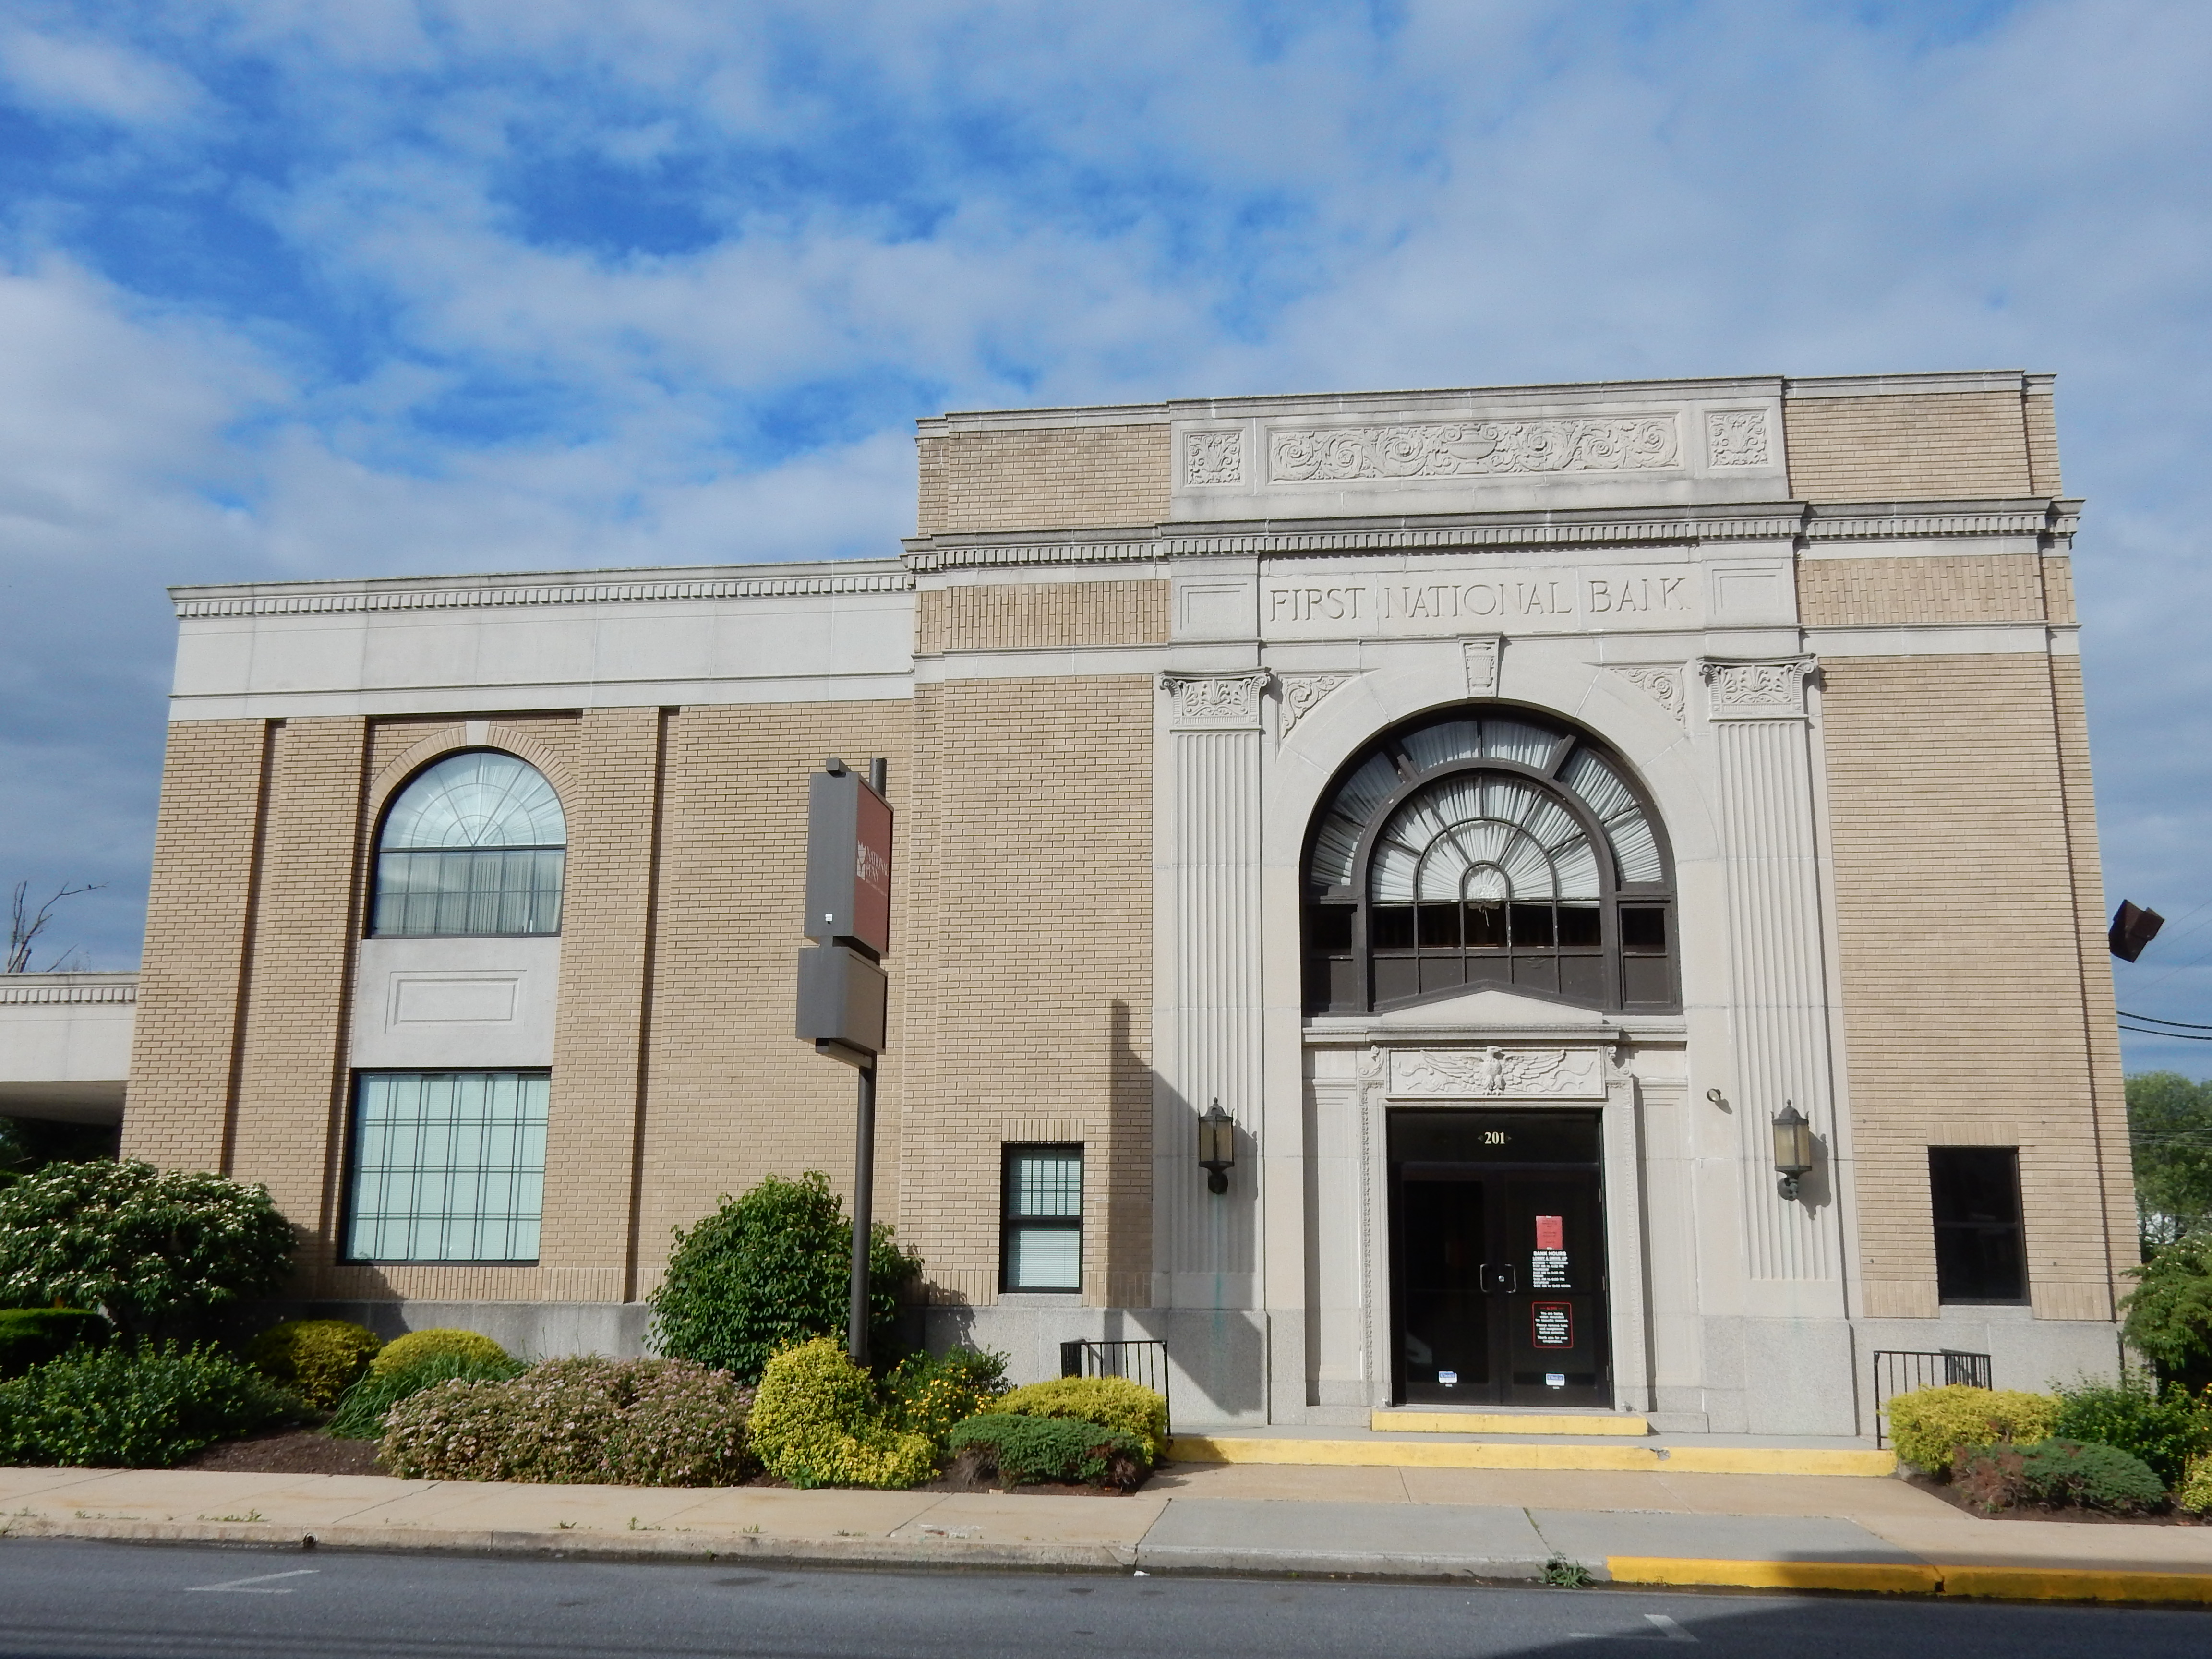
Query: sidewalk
(1751,1531)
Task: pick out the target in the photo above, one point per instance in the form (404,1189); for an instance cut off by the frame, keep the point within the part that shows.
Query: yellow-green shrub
(816,1422)
(317,1358)
(404,1351)
(1929,1425)
(2194,1495)
(1113,1402)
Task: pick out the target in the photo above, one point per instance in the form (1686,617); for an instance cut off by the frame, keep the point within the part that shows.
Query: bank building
(1517,809)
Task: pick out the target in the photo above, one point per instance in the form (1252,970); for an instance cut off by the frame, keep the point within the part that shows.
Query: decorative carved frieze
(1661,682)
(1482,654)
(1212,702)
(1756,690)
(1498,1073)
(1213,457)
(1736,437)
(1302,692)
(1464,449)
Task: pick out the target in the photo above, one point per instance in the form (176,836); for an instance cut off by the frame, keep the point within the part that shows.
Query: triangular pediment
(1493,1011)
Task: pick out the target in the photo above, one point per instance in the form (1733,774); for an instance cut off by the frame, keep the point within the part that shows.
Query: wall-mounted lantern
(1792,1149)
(1216,1147)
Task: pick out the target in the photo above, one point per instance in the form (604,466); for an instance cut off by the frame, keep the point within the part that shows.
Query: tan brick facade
(1928,588)
(1019,615)
(1942,446)
(1031,478)
(1966,909)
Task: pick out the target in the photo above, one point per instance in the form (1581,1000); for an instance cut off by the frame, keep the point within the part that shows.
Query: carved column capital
(1216,702)
(1757,691)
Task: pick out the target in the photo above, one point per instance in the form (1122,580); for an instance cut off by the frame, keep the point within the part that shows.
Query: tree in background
(2170,1130)
(25,924)
(769,1271)
(154,1248)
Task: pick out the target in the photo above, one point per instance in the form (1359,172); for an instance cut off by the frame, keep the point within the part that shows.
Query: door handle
(1500,1280)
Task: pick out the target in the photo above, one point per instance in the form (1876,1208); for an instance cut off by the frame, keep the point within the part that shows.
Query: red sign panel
(1552,1324)
(872,872)
(1551,1232)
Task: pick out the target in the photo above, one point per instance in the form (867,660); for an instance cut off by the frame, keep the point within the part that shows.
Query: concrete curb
(1899,1578)
(1524,1454)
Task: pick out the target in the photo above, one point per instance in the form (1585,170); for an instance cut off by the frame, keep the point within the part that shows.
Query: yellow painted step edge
(1494,1455)
(1502,1423)
(1894,1578)
(2007,1583)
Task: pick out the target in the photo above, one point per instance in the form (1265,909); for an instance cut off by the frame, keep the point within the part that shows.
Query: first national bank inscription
(1526,601)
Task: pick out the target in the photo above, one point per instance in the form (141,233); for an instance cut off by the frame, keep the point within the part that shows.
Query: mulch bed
(289,1451)
(1949,1494)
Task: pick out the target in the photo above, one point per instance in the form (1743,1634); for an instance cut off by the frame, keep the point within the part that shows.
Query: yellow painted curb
(1894,1579)
(2067,1584)
(1409,1455)
(1502,1423)
(1777,1460)
(1512,1455)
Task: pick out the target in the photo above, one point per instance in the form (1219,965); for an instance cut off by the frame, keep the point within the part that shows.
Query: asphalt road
(64,1598)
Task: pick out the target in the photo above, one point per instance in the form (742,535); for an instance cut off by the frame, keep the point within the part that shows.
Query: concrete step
(1405,1420)
(1680,1455)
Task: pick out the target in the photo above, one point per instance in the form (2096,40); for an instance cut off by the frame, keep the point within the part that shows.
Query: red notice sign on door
(1551,1232)
(1552,1324)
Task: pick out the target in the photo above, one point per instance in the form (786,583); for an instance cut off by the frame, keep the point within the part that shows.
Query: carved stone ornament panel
(1464,449)
(1757,691)
(1498,1073)
(1482,654)
(1662,684)
(1213,457)
(1216,702)
(1301,692)
(1736,437)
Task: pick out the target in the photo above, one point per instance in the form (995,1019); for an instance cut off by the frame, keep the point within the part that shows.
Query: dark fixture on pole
(2132,929)
(1216,1147)
(1792,1149)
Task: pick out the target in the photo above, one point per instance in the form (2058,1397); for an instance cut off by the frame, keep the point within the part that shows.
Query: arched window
(473,845)
(1487,848)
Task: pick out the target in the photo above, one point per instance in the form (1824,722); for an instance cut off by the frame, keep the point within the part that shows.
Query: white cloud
(85,76)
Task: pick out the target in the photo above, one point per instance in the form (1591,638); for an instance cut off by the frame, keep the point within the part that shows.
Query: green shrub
(816,1422)
(147,1407)
(149,1247)
(316,1359)
(1114,1402)
(2194,1495)
(402,1351)
(620,1422)
(2164,1430)
(361,1410)
(2096,1477)
(1929,1425)
(1030,1449)
(927,1394)
(2170,1310)
(769,1271)
(32,1336)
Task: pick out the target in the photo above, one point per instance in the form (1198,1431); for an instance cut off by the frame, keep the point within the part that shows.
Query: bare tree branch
(24,924)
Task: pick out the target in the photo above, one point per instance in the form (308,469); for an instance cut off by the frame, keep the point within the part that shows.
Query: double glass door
(1498,1257)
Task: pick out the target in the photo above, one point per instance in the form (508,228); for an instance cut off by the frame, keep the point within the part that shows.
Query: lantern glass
(1793,1146)
(1216,1147)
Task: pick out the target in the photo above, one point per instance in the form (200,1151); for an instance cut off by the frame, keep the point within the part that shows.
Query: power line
(2160,1019)
(2178,1036)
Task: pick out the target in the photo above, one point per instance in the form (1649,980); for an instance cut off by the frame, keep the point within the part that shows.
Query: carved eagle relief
(1497,1072)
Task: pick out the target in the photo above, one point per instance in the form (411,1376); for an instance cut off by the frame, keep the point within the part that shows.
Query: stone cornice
(825,578)
(18,989)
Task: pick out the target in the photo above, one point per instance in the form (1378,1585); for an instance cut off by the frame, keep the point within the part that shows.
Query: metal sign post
(843,990)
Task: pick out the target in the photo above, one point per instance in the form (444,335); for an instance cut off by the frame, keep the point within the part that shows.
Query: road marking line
(1668,1628)
(253,1586)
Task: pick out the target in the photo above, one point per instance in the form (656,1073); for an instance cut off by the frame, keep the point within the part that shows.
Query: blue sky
(296,289)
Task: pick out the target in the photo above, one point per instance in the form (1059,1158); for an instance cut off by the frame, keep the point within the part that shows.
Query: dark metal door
(1498,1259)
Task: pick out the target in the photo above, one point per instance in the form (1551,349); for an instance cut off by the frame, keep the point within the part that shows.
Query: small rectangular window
(447,1166)
(1981,1254)
(1041,1248)
(1643,929)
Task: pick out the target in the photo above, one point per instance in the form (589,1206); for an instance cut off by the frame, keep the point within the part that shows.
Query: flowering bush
(624,1422)
(927,1394)
(316,1359)
(145,1407)
(363,1407)
(146,1245)
(817,1422)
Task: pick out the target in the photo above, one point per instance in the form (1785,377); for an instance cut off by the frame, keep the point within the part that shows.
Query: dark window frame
(1340,950)
(374,904)
(350,1170)
(1970,1249)
(1010,1224)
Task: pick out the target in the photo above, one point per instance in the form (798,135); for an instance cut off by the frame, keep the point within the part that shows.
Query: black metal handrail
(1904,1370)
(1141,1361)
